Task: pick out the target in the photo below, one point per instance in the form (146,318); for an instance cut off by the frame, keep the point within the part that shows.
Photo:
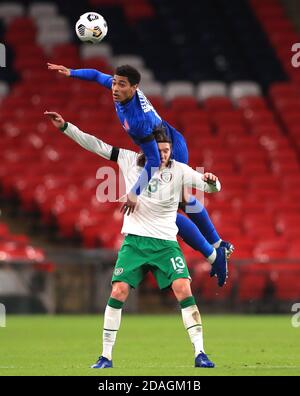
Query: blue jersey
(138,117)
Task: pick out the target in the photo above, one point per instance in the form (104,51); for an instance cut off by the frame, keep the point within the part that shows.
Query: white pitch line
(7,367)
(270,367)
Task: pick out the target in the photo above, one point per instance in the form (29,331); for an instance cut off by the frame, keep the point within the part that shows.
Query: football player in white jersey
(150,231)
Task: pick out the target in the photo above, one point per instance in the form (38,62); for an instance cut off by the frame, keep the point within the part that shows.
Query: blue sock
(201,218)
(191,235)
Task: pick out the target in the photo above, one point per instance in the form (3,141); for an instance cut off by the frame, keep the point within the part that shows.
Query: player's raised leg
(193,237)
(112,321)
(191,320)
(195,210)
(200,217)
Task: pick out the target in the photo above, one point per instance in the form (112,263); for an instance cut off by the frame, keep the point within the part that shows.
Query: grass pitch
(149,345)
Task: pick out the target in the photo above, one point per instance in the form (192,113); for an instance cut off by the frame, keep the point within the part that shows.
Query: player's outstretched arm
(55,118)
(207,182)
(93,75)
(84,74)
(60,69)
(89,142)
(211,179)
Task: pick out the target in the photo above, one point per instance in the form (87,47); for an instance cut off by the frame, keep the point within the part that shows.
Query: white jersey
(156,210)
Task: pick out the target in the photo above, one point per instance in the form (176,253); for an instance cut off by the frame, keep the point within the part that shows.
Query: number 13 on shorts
(177,263)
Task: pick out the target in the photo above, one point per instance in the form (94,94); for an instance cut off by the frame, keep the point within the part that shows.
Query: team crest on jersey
(118,271)
(166,176)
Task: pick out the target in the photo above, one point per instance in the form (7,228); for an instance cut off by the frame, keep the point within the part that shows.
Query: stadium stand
(17,247)
(220,72)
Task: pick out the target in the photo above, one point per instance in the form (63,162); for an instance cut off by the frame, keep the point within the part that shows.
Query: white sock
(217,244)
(192,322)
(212,257)
(112,321)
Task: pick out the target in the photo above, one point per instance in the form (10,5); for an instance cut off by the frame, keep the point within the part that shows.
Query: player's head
(164,147)
(125,83)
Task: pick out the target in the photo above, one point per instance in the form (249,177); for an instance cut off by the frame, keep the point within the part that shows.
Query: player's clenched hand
(56,118)
(61,69)
(130,204)
(210,178)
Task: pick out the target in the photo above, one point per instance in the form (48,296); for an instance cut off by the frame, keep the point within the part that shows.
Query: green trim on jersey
(138,255)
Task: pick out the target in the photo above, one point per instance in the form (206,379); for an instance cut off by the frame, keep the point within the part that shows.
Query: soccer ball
(91,27)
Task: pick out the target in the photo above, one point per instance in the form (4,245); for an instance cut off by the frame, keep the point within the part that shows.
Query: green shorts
(138,255)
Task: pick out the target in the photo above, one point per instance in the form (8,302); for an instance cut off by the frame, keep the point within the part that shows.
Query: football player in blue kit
(139,118)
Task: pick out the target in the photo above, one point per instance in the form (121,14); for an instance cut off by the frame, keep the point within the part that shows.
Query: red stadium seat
(239,143)
(231,129)
(17,247)
(62,51)
(287,224)
(271,131)
(252,102)
(252,282)
(217,103)
(243,248)
(4,232)
(252,168)
(209,289)
(258,181)
(230,232)
(253,220)
(224,218)
(275,248)
(171,116)
(283,90)
(293,245)
(227,118)
(253,147)
(259,117)
(183,103)
(192,132)
(136,10)
(193,117)
(286,281)
(98,64)
(28,28)
(158,102)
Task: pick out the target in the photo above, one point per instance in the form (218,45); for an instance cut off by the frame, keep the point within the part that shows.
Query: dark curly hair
(133,75)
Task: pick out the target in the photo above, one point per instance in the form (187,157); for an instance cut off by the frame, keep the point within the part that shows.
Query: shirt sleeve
(126,160)
(89,142)
(192,178)
(93,75)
